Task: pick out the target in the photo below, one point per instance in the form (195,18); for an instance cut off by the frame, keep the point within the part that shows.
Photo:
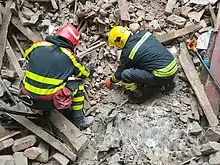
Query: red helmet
(69,32)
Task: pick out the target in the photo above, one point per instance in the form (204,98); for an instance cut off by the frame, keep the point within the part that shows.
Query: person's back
(46,86)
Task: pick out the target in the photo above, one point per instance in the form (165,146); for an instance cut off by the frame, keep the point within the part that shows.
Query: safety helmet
(69,32)
(118,36)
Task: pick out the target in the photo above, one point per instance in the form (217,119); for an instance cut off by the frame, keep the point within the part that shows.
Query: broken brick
(20,159)
(23,143)
(32,153)
(176,20)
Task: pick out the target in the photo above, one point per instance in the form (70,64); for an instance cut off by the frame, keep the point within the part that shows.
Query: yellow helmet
(118,36)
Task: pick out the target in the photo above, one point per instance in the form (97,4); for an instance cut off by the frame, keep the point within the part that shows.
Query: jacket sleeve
(116,77)
(80,70)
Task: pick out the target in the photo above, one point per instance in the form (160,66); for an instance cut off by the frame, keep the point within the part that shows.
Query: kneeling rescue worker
(144,61)
(45,85)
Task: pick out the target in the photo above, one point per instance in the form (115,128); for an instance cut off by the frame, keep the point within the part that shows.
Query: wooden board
(25,30)
(178,33)
(14,61)
(4,28)
(9,136)
(123,7)
(70,134)
(196,84)
(55,143)
(169,7)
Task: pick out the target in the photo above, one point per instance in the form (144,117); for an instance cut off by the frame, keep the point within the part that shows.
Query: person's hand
(108,83)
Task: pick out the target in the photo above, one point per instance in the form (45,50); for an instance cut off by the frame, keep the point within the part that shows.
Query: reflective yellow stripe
(41,79)
(81,88)
(41,91)
(77,107)
(169,70)
(137,46)
(80,74)
(35,45)
(75,92)
(130,86)
(75,63)
(78,99)
(114,79)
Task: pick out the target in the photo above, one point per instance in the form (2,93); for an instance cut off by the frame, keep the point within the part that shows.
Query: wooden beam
(169,7)
(25,30)
(178,33)
(70,134)
(218,18)
(18,45)
(123,7)
(213,16)
(4,28)
(14,60)
(196,85)
(84,53)
(55,143)
(9,135)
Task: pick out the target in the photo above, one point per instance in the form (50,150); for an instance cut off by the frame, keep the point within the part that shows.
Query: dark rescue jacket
(143,51)
(50,64)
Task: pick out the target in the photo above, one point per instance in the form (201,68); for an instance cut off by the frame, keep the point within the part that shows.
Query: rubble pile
(167,129)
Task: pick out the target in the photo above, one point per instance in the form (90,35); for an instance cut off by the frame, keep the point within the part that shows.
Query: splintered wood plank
(25,30)
(123,7)
(4,28)
(14,60)
(70,134)
(169,7)
(178,33)
(55,143)
(196,85)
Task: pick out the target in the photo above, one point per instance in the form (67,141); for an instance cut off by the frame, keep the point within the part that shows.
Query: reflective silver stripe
(137,46)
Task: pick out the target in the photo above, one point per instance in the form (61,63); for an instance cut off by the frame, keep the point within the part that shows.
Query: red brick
(32,153)
(23,143)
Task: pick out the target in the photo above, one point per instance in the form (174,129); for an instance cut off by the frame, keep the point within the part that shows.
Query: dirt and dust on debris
(168,129)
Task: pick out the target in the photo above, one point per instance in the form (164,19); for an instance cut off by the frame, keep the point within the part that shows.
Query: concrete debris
(155,25)
(6,144)
(119,135)
(7,160)
(32,153)
(134,27)
(23,143)
(194,128)
(209,148)
(214,159)
(176,20)
(20,159)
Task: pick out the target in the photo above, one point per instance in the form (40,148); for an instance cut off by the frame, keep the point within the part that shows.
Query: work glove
(108,83)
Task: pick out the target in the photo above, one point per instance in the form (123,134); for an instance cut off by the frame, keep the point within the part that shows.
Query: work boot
(85,122)
(136,96)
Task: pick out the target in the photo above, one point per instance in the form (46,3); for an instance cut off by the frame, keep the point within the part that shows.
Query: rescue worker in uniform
(144,61)
(45,85)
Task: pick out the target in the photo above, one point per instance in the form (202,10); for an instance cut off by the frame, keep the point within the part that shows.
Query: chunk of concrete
(32,153)
(44,156)
(6,160)
(23,143)
(134,26)
(176,20)
(194,128)
(209,148)
(6,144)
(20,159)
(155,25)
(214,159)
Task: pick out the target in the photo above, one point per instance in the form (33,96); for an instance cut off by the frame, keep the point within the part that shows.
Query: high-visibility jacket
(143,51)
(49,67)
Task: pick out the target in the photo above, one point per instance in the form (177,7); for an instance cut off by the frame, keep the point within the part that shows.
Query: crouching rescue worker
(45,85)
(144,61)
